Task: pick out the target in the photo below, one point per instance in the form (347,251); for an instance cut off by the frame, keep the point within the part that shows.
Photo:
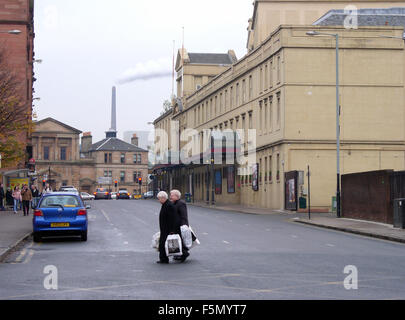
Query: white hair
(162,194)
(176,192)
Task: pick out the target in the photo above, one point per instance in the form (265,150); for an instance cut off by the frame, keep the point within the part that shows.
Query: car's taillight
(127,193)
(38,213)
(106,193)
(82,212)
(95,193)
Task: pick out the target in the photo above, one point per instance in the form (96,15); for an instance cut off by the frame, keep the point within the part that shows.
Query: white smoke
(145,71)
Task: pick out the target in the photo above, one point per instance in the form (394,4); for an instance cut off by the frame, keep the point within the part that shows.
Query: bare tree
(14,116)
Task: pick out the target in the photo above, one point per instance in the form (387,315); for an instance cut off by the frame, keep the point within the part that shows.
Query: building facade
(284,89)
(17,50)
(61,160)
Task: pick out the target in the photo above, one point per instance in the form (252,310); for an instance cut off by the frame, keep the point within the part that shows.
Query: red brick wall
(18,14)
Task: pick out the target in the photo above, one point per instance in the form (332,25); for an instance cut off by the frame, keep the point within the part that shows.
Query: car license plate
(60,225)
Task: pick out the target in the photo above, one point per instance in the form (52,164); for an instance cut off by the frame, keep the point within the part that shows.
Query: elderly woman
(169,223)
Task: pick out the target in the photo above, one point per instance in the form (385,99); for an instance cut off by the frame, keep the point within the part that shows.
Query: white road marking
(330,245)
(205,234)
(126,242)
(226,242)
(294,236)
(105,215)
(29,256)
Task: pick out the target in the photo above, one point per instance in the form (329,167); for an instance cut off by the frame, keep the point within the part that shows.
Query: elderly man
(169,223)
(181,211)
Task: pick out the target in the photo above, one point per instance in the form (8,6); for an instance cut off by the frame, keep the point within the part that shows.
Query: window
(243,91)
(231,96)
(261,80)
(46,153)
(250,88)
(221,103)
(122,176)
(251,120)
(137,158)
(265,116)
(135,176)
(278,68)
(271,114)
(237,95)
(265,170)
(122,157)
(270,168)
(261,117)
(266,72)
(63,153)
(271,73)
(216,107)
(278,110)
(278,167)
(110,157)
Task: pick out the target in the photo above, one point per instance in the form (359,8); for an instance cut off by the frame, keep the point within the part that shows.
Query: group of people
(173,215)
(20,199)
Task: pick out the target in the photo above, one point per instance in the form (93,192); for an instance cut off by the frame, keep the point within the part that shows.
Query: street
(241,257)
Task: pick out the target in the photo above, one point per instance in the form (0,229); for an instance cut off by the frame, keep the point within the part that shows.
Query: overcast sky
(89,46)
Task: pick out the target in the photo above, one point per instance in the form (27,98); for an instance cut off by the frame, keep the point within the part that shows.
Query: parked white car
(86,196)
(114,195)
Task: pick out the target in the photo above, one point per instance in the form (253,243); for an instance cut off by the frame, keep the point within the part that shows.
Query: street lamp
(316,33)
(11,31)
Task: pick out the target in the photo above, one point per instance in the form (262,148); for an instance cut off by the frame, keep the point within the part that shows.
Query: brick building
(17,46)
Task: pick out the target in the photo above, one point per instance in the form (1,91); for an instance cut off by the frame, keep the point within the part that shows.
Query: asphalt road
(241,256)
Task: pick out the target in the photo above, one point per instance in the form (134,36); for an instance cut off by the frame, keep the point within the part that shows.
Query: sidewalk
(239,208)
(360,227)
(324,220)
(13,229)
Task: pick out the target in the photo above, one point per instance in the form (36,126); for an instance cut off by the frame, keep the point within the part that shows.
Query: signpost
(104,180)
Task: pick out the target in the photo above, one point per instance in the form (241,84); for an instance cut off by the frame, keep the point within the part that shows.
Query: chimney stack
(135,140)
(87,141)
(112,133)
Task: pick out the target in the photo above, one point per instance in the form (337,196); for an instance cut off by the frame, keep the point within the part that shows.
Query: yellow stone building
(284,88)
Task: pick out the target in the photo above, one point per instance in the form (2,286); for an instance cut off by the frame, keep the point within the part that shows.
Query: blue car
(60,213)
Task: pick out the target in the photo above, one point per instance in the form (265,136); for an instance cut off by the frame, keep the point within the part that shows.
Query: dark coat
(2,195)
(169,222)
(181,210)
(35,193)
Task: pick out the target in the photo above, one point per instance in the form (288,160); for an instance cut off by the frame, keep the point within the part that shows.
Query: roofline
(60,123)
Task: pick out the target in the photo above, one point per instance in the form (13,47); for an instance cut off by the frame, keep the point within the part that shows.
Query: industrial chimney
(112,133)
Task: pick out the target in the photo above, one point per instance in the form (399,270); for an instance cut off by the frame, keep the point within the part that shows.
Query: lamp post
(316,33)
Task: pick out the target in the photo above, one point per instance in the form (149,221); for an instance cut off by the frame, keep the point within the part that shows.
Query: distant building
(61,160)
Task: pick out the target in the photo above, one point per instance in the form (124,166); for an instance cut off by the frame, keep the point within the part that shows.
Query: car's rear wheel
(84,236)
(37,237)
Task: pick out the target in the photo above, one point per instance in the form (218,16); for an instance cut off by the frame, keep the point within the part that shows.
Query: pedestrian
(35,196)
(169,223)
(9,198)
(16,198)
(47,189)
(181,211)
(26,199)
(2,196)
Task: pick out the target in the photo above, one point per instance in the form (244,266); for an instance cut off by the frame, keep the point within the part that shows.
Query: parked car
(86,196)
(70,189)
(60,213)
(123,194)
(113,195)
(148,195)
(102,193)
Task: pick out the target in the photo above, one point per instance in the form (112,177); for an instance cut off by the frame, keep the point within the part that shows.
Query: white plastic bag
(173,245)
(155,241)
(186,235)
(195,240)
